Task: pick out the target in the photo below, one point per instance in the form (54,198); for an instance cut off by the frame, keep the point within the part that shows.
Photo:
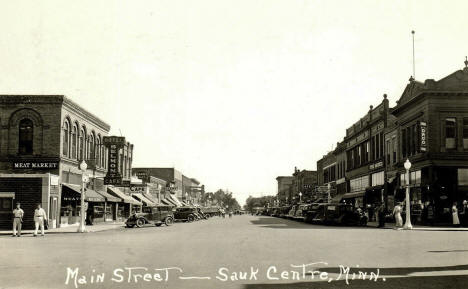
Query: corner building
(42,141)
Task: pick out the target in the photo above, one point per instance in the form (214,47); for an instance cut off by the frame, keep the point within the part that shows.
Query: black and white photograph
(239,144)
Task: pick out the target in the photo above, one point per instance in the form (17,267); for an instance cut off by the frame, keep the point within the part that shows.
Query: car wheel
(169,221)
(130,226)
(158,224)
(140,223)
(191,218)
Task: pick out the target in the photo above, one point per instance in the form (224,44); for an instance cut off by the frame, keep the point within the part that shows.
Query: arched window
(66,138)
(82,144)
(91,146)
(74,141)
(98,151)
(26,133)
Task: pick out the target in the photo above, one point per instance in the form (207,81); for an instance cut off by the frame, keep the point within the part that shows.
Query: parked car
(312,211)
(156,215)
(284,211)
(292,212)
(187,213)
(340,214)
(300,212)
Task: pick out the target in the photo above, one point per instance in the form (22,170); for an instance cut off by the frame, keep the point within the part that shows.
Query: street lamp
(83,167)
(329,192)
(300,197)
(186,196)
(408,225)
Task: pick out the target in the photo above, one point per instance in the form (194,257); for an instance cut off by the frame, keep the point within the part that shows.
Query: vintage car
(187,213)
(312,211)
(340,214)
(284,211)
(156,215)
(300,213)
(292,212)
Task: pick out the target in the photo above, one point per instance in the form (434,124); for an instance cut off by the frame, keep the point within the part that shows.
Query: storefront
(71,205)
(127,206)
(29,190)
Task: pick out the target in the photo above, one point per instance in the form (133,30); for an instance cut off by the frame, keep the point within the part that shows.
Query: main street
(242,243)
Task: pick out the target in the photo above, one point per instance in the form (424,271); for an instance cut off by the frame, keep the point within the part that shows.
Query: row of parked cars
(167,215)
(321,213)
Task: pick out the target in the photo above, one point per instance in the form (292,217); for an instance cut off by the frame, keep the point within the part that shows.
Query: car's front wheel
(169,221)
(140,223)
(191,218)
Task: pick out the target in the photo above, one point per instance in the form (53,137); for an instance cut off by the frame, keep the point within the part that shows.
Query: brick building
(284,188)
(432,129)
(43,139)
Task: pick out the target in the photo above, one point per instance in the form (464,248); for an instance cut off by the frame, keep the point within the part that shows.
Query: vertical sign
(113,144)
(423,136)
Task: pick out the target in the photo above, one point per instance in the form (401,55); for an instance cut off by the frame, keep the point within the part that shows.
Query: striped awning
(90,195)
(353,195)
(123,196)
(143,199)
(166,202)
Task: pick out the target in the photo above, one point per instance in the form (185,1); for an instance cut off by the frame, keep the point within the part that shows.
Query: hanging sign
(423,136)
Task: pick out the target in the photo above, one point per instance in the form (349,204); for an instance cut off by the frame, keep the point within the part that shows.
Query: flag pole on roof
(414,61)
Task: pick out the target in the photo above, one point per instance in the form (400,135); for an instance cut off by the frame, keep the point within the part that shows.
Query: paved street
(200,249)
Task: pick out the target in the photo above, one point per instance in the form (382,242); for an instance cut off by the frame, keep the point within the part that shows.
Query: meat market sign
(35,165)
(113,145)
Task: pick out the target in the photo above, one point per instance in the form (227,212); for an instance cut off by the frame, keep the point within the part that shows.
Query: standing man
(18,214)
(39,217)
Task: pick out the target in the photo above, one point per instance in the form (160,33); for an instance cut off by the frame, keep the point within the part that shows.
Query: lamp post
(83,167)
(408,225)
(186,197)
(329,192)
(300,197)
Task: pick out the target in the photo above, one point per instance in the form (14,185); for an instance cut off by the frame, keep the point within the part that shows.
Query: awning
(149,197)
(109,197)
(175,200)
(337,198)
(90,195)
(171,202)
(353,195)
(166,202)
(143,199)
(120,194)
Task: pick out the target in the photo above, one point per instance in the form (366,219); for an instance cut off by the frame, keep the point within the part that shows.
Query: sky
(232,93)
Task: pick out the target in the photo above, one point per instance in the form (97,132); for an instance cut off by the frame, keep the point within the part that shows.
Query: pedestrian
(397,214)
(18,215)
(40,217)
(463,214)
(455,219)
(430,213)
(381,215)
(230,214)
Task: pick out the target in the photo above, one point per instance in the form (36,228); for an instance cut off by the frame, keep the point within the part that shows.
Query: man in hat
(18,214)
(39,217)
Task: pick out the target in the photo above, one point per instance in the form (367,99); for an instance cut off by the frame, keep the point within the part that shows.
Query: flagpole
(414,67)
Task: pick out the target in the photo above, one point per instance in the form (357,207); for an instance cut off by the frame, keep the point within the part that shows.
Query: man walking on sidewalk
(18,214)
(39,217)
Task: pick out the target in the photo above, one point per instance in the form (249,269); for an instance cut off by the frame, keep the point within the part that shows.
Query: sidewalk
(418,227)
(71,229)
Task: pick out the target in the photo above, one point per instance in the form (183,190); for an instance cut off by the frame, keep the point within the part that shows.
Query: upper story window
(82,144)
(465,132)
(73,142)
(66,138)
(450,133)
(98,151)
(91,146)
(26,134)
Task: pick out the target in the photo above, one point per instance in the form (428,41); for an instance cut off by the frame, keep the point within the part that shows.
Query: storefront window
(463,177)
(378,179)
(6,204)
(415,177)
